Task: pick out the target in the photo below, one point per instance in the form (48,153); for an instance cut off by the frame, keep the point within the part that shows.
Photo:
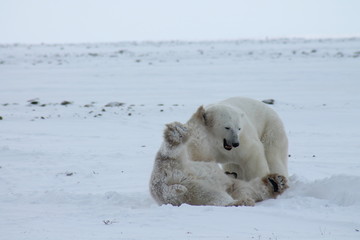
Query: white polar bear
(176,179)
(246,136)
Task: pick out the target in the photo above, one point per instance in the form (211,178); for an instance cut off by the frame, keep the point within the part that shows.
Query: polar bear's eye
(239,129)
(227,128)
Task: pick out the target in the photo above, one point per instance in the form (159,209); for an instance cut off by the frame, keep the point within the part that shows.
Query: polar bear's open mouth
(226,145)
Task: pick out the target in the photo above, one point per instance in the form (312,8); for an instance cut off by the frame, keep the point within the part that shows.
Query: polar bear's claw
(274,184)
(278,183)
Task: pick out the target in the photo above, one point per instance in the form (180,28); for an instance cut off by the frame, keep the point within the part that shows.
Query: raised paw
(277,183)
(176,133)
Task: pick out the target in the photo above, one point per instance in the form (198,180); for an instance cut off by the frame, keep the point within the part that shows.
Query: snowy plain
(81,124)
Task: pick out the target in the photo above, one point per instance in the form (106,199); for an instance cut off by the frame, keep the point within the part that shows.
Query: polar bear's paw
(276,183)
(176,133)
(243,202)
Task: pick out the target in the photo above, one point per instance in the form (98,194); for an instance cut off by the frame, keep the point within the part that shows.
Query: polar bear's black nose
(235,144)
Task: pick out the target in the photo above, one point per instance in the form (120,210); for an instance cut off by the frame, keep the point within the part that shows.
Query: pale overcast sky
(58,21)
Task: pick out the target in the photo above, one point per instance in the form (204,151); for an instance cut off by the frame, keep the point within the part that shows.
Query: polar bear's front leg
(251,164)
(254,164)
(168,178)
(260,189)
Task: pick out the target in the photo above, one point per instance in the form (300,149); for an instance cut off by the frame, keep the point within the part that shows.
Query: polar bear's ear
(201,114)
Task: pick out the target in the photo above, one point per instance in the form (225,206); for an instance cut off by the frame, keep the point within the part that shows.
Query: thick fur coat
(177,179)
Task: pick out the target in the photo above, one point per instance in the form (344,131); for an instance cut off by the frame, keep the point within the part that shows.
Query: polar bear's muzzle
(228,146)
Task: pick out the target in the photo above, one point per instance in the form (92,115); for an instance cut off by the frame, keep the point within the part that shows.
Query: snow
(81,170)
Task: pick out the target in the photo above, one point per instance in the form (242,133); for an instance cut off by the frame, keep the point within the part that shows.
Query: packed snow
(80,126)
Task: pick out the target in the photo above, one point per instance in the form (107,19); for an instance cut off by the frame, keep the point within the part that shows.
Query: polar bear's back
(257,111)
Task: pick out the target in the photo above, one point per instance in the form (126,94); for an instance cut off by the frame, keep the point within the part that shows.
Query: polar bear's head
(223,123)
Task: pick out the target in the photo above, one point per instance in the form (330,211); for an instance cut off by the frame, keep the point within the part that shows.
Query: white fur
(263,144)
(176,179)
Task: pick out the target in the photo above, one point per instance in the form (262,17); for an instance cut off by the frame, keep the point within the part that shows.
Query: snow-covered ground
(80,169)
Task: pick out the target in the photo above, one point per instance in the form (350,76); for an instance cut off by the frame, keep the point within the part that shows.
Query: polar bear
(246,136)
(176,179)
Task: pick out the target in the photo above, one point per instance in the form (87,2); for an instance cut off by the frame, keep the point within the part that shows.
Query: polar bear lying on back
(176,179)
(246,136)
